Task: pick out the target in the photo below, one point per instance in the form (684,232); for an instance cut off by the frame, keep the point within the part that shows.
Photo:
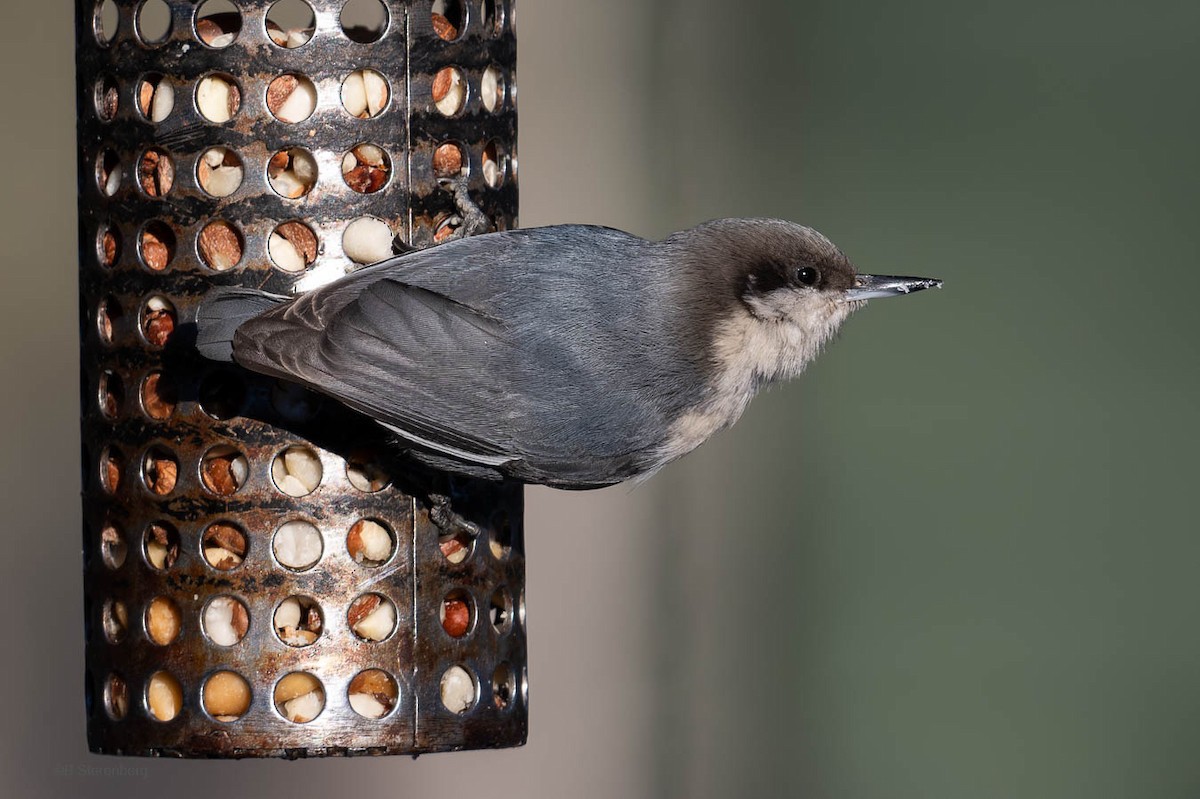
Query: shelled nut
(163,620)
(298,621)
(107,316)
(491,88)
(224,470)
(448,18)
(299,697)
(156,97)
(226,621)
(292,173)
(218,23)
(108,98)
(160,470)
(213,33)
(448,160)
(162,546)
(443,28)
(109,172)
(164,696)
(456,546)
(218,98)
(226,696)
(115,620)
(158,396)
(219,171)
(116,696)
(446,229)
(224,546)
(367,240)
(366,168)
(157,246)
(501,536)
(158,321)
(372,617)
(220,245)
(112,546)
(500,610)
(365,93)
(296,471)
(291,98)
(455,613)
(449,91)
(110,247)
(457,690)
(493,166)
(297,545)
(291,23)
(292,247)
(373,693)
(367,476)
(111,464)
(369,543)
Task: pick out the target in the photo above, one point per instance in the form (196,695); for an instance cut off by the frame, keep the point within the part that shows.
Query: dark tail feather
(222,312)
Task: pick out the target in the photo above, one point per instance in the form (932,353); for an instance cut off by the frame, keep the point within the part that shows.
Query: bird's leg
(472,221)
(402,247)
(447,519)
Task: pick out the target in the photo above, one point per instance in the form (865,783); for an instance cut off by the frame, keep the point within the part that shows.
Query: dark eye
(807,275)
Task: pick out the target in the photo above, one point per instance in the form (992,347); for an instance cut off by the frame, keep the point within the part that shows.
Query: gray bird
(573,356)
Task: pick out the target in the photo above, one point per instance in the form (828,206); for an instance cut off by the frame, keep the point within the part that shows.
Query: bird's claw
(402,247)
(448,520)
(471,219)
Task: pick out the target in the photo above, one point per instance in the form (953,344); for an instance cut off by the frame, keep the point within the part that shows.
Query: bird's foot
(402,247)
(448,520)
(471,220)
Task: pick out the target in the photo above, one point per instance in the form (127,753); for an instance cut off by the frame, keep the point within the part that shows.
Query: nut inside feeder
(155,97)
(270,575)
(226,621)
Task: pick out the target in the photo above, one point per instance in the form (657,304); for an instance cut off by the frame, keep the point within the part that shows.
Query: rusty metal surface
(250,416)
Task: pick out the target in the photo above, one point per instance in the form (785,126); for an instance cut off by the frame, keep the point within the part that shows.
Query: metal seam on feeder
(194,445)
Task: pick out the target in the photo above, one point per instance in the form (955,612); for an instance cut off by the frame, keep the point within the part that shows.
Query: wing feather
(496,349)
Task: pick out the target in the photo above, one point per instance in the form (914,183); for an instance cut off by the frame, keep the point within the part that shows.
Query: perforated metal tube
(192,469)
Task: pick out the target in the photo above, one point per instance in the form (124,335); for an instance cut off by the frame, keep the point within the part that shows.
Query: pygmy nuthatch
(573,356)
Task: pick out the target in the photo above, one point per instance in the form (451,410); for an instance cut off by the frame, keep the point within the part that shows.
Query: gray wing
(388,354)
(418,344)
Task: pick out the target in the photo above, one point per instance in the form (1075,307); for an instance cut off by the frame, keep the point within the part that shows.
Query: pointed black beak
(869,287)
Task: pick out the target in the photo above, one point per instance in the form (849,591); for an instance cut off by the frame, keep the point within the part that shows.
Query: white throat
(758,345)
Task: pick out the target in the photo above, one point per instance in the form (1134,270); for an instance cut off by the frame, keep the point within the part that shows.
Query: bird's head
(784,290)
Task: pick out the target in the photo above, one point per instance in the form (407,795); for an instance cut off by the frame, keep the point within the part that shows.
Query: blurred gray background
(956,558)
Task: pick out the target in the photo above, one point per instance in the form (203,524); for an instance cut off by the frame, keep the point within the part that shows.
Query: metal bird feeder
(264,575)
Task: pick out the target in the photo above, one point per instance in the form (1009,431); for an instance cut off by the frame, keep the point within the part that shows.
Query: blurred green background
(955,559)
(958,557)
